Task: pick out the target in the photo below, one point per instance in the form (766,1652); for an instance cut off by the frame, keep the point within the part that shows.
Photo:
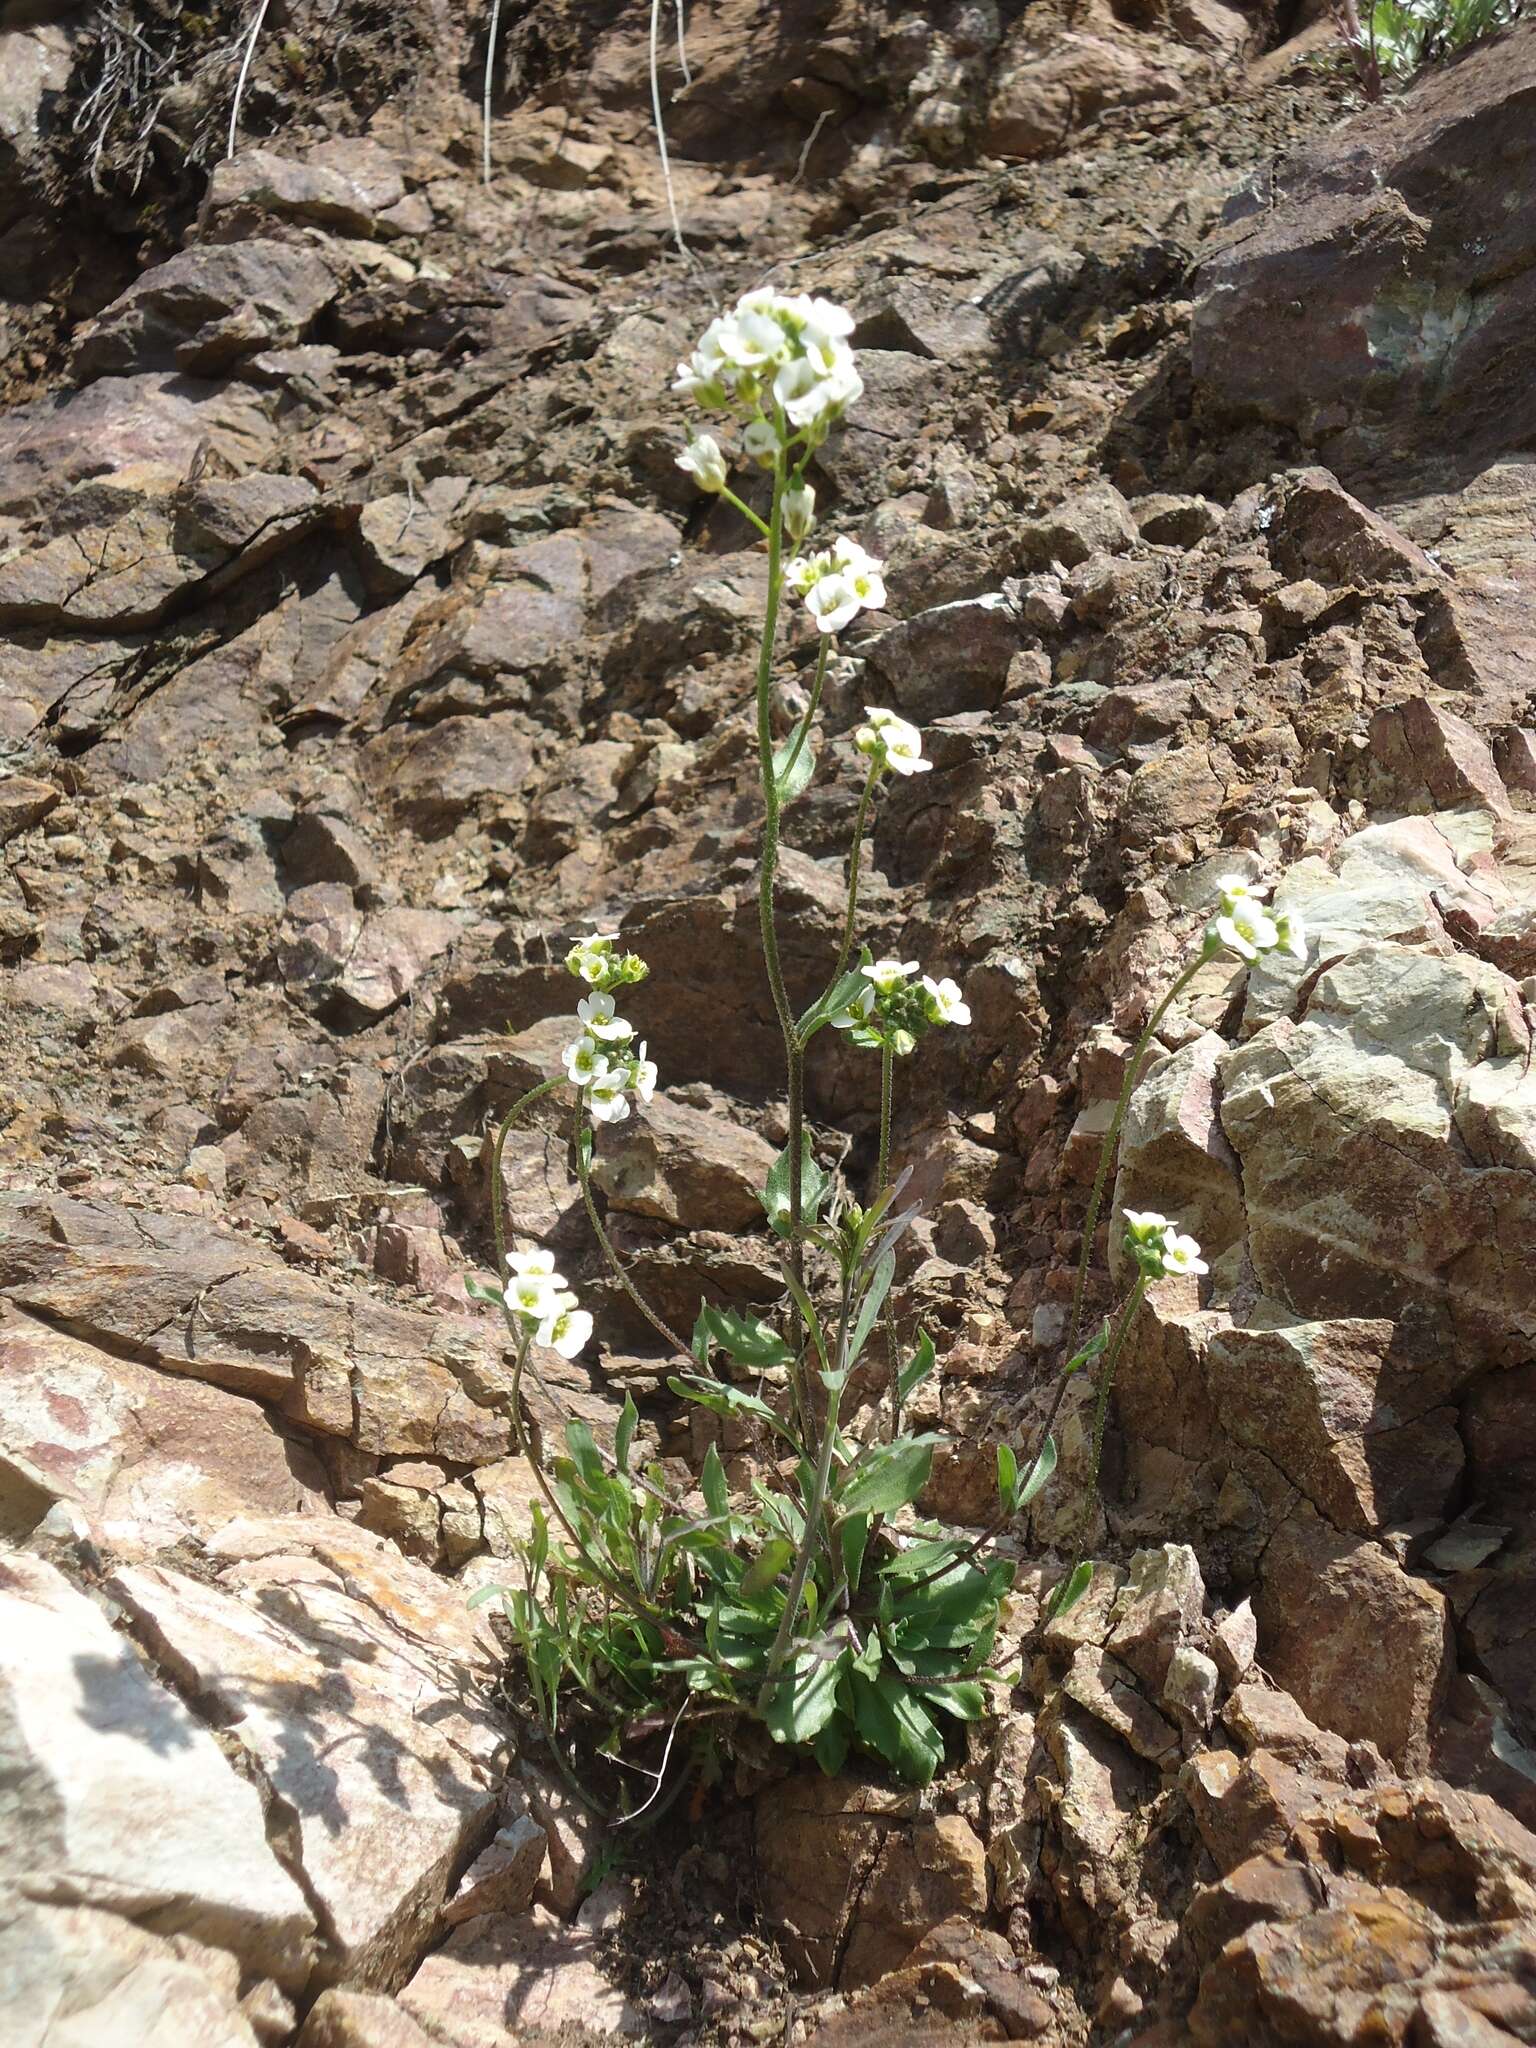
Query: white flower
(833,603)
(539,1263)
(1181,1255)
(802,572)
(891,742)
(945,1004)
(596,1013)
(1146,1225)
(533,1295)
(858,1010)
(1292,933)
(1234,890)
(799,509)
(801,389)
(760,439)
(1247,931)
(701,377)
(583,1060)
(565,1328)
(750,338)
(704,462)
(606,1098)
(886,975)
(642,1074)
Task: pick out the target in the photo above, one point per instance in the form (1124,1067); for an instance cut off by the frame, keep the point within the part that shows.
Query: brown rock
(533,1966)
(1324,1594)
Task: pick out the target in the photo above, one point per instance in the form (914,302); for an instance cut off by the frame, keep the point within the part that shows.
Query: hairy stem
(882,1179)
(1112,1140)
(1107,1376)
(813,1511)
(855,853)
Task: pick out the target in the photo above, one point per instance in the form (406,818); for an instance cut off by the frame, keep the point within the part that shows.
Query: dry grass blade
(245,72)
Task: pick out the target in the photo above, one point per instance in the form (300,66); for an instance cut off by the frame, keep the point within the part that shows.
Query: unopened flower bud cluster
(603,1060)
(895,1009)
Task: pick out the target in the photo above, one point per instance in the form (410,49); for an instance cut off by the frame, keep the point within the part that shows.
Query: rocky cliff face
(361,642)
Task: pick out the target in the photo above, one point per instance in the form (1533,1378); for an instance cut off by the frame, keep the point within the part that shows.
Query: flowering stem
(813,1509)
(882,1177)
(583,1132)
(802,737)
(746,511)
(1112,1140)
(498,1220)
(861,820)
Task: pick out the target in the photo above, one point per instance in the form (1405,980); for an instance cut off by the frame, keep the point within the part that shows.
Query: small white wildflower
(1146,1225)
(1181,1255)
(533,1295)
(584,1060)
(833,603)
(565,1328)
(761,441)
(596,1013)
(539,1263)
(945,1004)
(1247,931)
(886,975)
(642,1075)
(1234,890)
(704,462)
(606,1098)
(1292,934)
(891,742)
(857,1012)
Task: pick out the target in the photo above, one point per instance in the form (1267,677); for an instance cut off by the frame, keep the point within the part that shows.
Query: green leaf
(700,1340)
(814,1188)
(584,1147)
(831,1747)
(721,1399)
(713,1484)
(749,1340)
(804,1697)
(776,1555)
(482,1290)
(1072,1588)
(896,1726)
(918,1366)
(624,1435)
(585,1455)
(853,1536)
(837,997)
(1007,1476)
(887,1476)
(874,1300)
(794,763)
(965,1700)
(1037,1475)
(1089,1352)
(486,1593)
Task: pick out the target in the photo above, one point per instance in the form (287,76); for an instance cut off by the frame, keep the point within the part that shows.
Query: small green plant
(1397,38)
(814,1604)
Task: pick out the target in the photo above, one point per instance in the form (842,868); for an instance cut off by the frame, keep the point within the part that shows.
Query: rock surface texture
(361,644)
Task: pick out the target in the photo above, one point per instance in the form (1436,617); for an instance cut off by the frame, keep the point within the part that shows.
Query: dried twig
(245,72)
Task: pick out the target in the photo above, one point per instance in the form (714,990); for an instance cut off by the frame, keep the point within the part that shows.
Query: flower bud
(704,462)
(799,510)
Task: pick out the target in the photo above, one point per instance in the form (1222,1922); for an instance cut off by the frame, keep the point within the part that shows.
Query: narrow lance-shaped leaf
(748,1340)
(624,1435)
(887,1476)
(917,1367)
(874,1300)
(794,763)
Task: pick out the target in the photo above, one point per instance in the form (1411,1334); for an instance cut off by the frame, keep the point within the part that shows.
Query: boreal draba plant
(814,1602)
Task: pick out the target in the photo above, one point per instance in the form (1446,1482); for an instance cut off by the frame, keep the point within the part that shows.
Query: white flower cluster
(780,363)
(892,1009)
(837,584)
(1158,1246)
(1243,925)
(890,742)
(539,1298)
(604,1062)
